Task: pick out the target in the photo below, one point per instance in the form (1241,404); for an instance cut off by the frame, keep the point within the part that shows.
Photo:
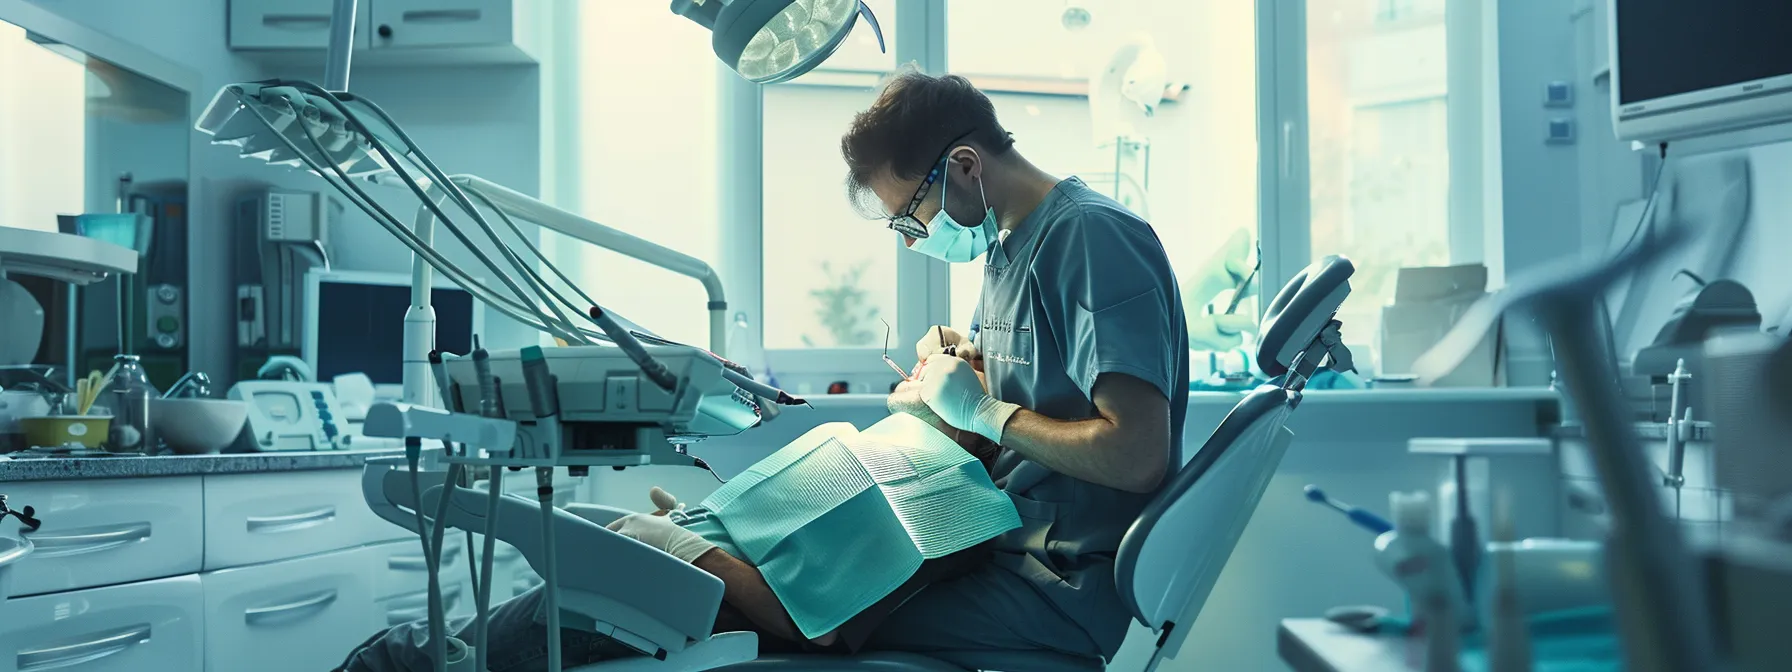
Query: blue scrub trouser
(959,621)
(967,619)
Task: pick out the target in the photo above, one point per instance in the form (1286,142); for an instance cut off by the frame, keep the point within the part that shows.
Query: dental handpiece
(1362,517)
(540,383)
(488,386)
(444,387)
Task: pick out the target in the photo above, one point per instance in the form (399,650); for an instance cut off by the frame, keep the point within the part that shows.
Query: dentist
(1080,334)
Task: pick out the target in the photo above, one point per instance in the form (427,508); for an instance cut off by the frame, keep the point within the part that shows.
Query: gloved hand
(1219,332)
(939,338)
(952,389)
(660,532)
(1230,263)
(664,501)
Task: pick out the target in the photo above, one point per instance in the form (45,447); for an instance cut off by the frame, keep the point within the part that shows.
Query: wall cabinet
(392,32)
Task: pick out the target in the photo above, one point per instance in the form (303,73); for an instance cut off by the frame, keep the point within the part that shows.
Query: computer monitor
(1685,68)
(354,322)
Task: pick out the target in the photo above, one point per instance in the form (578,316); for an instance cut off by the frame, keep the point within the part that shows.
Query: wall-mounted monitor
(1689,68)
(354,322)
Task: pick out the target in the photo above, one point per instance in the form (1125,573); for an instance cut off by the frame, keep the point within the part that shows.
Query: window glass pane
(830,275)
(1380,154)
(1189,168)
(43,132)
(647,162)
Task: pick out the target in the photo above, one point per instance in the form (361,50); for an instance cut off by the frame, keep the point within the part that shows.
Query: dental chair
(1172,556)
(1166,566)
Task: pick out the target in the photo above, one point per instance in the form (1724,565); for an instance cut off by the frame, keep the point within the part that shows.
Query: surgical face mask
(949,241)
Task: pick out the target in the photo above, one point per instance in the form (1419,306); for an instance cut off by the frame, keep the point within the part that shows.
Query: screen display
(360,328)
(1671,47)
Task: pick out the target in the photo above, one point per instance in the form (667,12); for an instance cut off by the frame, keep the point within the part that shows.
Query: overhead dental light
(771,41)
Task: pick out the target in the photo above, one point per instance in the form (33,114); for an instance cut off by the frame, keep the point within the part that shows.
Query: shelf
(62,256)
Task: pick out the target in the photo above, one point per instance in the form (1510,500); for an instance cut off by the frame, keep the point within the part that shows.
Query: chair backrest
(1171,558)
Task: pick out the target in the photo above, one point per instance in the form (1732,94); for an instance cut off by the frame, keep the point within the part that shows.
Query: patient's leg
(515,642)
(989,610)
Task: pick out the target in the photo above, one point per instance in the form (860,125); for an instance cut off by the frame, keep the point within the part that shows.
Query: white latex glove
(664,501)
(952,389)
(1219,332)
(1229,264)
(660,532)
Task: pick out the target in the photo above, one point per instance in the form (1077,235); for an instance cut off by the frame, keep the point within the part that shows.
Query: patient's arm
(746,589)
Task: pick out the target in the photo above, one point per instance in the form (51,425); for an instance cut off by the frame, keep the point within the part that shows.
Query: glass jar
(129,393)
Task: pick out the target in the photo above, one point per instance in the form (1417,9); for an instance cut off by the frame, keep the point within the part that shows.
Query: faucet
(194,384)
(27,516)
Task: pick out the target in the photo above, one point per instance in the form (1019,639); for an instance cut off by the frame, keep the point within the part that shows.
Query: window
(1379,148)
(830,275)
(43,133)
(1190,168)
(646,162)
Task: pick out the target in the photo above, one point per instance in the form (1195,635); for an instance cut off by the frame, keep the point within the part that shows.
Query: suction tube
(652,368)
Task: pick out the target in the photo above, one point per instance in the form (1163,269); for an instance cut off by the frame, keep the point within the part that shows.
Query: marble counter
(72,468)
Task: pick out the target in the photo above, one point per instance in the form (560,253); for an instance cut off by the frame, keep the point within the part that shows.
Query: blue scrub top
(1082,288)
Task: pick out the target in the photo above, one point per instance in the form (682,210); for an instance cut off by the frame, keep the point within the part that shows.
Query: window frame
(1284,207)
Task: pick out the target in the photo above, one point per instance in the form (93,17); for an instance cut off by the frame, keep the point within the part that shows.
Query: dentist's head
(931,158)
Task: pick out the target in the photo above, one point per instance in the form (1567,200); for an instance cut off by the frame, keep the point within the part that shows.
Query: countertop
(73,468)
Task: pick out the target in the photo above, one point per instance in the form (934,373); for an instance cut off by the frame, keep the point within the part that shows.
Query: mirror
(84,132)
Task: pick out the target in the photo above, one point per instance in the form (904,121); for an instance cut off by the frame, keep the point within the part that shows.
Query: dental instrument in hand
(1362,517)
(905,375)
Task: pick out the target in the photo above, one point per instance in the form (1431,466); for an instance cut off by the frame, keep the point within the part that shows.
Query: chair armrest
(598,514)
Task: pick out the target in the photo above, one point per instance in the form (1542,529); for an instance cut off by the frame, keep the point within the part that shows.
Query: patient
(517,635)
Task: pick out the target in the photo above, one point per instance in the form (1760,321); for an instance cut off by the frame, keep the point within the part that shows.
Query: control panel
(289,415)
(166,315)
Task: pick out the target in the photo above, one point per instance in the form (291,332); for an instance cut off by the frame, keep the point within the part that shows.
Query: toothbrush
(1362,517)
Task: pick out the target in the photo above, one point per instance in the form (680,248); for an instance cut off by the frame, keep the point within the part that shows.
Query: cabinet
(107,532)
(300,614)
(149,625)
(252,518)
(392,32)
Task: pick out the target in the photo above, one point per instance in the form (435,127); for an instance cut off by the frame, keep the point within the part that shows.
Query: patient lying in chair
(517,634)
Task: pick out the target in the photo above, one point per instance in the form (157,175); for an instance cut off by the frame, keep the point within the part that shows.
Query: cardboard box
(1427,304)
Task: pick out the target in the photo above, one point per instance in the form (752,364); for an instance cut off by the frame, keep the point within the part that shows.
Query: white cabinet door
(252,518)
(150,626)
(289,24)
(441,23)
(109,531)
(300,615)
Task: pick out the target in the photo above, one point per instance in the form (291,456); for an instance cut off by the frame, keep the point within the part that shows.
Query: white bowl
(197,426)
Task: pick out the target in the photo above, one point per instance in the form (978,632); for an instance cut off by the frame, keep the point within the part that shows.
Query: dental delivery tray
(606,404)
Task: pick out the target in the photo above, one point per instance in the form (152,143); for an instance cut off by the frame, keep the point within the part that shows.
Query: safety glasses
(907,223)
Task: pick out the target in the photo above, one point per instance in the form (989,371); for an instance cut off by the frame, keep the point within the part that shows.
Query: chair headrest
(1300,311)
(1173,554)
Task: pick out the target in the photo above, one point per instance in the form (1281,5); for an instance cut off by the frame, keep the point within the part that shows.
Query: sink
(12,550)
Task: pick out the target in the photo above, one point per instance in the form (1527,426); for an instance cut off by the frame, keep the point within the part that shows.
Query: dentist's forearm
(1126,446)
(1096,450)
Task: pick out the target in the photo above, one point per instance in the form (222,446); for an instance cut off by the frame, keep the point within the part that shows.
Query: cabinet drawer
(150,625)
(252,518)
(109,531)
(303,614)
(398,565)
(289,24)
(441,23)
(457,601)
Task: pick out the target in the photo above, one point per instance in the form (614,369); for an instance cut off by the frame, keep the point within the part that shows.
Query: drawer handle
(261,615)
(292,522)
(441,16)
(414,563)
(89,540)
(102,645)
(296,22)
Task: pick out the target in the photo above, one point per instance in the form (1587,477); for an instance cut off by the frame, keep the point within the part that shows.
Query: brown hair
(907,128)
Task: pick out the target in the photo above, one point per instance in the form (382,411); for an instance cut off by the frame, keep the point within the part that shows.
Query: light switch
(1558,94)
(1561,131)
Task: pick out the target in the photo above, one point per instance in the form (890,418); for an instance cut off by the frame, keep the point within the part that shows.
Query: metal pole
(342,45)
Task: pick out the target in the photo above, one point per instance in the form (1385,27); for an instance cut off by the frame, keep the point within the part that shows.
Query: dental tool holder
(607,412)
